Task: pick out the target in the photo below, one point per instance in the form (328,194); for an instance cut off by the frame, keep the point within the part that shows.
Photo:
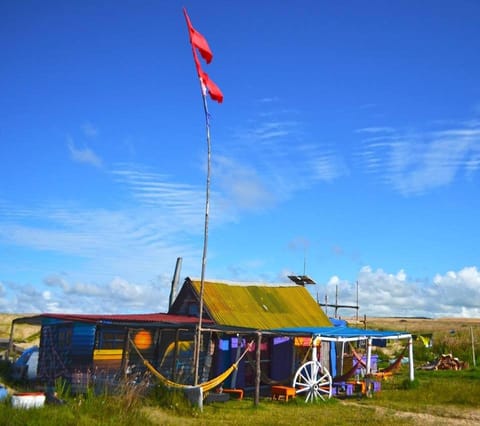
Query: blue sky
(347,146)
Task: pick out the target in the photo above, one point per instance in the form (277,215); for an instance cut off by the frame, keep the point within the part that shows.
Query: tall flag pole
(199,43)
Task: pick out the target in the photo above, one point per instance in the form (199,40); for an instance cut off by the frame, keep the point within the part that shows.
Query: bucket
(28,400)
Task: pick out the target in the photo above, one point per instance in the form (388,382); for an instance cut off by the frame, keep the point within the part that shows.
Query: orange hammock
(394,366)
(348,374)
(385,372)
(206,386)
(357,356)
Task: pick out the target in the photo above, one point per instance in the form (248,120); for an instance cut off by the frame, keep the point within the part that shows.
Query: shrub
(410,384)
(172,399)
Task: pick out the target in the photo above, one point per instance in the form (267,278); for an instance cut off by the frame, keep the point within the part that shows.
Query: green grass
(332,412)
(441,395)
(100,410)
(436,397)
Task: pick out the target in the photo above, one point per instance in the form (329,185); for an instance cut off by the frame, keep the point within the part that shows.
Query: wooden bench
(238,393)
(359,387)
(382,374)
(343,388)
(283,392)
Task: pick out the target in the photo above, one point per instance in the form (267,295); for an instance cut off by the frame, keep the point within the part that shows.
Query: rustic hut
(282,320)
(84,348)
(254,308)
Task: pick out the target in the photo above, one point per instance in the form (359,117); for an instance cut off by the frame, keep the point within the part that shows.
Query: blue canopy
(345,333)
(336,322)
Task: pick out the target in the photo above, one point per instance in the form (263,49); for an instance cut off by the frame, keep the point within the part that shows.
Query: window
(110,339)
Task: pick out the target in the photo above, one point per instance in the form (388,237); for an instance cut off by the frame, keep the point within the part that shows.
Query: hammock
(394,366)
(357,356)
(206,386)
(348,374)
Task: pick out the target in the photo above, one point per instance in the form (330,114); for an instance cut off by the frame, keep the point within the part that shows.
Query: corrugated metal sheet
(83,340)
(128,318)
(262,307)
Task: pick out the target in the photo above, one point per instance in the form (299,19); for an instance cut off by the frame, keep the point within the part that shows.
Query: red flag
(214,91)
(199,42)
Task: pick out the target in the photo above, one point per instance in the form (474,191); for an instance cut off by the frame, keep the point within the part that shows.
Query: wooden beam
(258,369)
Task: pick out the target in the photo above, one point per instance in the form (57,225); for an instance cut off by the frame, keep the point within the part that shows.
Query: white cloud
(454,294)
(90,130)
(269,100)
(413,163)
(324,164)
(136,240)
(117,296)
(241,187)
(375,130)
(144,237)
(85,155)
(274,158)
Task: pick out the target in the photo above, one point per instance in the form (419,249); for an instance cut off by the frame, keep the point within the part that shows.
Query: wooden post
(369,355)
(342,358)
(175,355)
(237,356)
(10,343)
(473,348)
(410,359)
(125,355)
(258,369)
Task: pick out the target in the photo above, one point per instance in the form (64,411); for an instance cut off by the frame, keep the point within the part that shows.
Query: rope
(206,386)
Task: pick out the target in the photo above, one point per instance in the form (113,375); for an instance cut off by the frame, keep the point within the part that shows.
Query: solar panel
(301,279)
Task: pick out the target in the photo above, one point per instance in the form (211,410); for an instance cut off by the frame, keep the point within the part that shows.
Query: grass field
(434,398)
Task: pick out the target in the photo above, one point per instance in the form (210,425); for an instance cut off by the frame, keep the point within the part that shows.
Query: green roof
(260,306)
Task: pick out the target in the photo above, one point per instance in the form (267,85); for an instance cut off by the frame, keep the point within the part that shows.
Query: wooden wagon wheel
(314,381)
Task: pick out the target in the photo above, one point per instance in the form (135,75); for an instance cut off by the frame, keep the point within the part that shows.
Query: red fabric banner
(198,41)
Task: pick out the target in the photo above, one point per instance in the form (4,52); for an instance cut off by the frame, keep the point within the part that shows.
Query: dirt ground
(452,416)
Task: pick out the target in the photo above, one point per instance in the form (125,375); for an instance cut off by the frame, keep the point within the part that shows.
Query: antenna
(337,305)
(304,260)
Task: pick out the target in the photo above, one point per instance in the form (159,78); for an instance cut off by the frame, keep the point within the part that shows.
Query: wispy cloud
(375,130)
(158,221)
(323,163)
(416,162)
(269,99)
(241,187)
(85,155)
(273,157)
(89,130)
(177,202)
